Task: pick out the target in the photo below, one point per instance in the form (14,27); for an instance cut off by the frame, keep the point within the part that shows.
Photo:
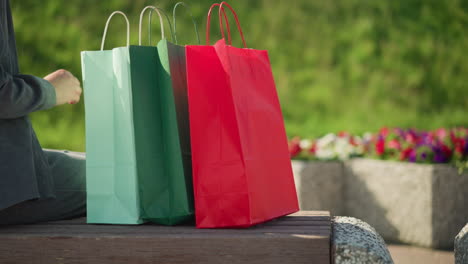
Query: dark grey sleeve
(22,94)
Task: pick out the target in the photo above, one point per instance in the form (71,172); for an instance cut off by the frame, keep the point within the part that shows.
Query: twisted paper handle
(174,21)
(107,25)
(141,22)
(237,22)
(208,22)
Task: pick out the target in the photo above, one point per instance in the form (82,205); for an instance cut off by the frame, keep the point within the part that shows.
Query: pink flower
(384,131)
(394,144)
(441,133)
(411,138)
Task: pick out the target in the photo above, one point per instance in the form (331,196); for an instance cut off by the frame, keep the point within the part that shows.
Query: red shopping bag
(242,172)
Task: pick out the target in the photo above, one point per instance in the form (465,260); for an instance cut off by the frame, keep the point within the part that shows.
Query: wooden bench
(303,237)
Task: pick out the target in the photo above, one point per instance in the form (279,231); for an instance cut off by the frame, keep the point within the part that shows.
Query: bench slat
(303,237)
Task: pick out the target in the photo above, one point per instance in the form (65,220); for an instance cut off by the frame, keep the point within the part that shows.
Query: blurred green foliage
(354,65)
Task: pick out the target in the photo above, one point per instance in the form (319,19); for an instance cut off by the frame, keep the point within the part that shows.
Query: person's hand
(67,87)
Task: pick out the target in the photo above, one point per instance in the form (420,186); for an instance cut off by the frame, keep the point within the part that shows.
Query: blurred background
(353,65)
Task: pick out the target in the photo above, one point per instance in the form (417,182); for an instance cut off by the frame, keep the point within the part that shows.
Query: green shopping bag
(173,57)
(176,181)
(134,162)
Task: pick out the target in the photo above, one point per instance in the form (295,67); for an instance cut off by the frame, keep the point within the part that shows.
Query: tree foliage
(351,65)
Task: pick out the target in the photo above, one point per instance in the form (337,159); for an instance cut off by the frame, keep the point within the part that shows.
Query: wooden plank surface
(303,237)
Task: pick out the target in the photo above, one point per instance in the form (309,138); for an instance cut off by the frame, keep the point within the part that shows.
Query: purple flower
(466,146)
(424,152)
(412,156)
(423,156)
(400,132)
(439,154)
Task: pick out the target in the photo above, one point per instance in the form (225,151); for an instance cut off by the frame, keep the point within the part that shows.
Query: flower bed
(389,186)
(437,146)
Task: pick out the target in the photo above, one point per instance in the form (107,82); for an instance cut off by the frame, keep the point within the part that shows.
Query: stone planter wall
(419,204)
(319,185)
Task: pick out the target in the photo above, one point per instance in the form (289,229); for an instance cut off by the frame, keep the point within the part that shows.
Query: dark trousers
(69,173)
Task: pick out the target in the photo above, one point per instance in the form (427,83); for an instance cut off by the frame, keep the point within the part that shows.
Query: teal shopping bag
(111,179)
(135,171)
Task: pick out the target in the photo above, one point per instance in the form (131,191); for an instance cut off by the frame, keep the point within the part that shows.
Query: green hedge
(351,65)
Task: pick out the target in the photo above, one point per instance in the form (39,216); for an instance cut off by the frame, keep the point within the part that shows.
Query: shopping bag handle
(107,25)
(174,21)
(237,22)
(208,23)
(158,11)
(167,20)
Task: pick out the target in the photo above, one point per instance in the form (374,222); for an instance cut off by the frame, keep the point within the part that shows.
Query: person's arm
(22,94)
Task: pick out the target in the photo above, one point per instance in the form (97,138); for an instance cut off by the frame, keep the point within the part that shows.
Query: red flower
(446,150)
(313,148)
(404,155)
(459,145)
(453,138)
(294,147)
(343,134)
(380,146)
(352,141)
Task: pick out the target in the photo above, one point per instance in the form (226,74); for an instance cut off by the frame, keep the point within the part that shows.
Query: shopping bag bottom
(243,225)
(174,220)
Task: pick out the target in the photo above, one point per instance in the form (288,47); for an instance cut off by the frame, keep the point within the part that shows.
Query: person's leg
(69,172)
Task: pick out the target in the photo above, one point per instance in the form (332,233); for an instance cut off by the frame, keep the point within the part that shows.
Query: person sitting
(35,184)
